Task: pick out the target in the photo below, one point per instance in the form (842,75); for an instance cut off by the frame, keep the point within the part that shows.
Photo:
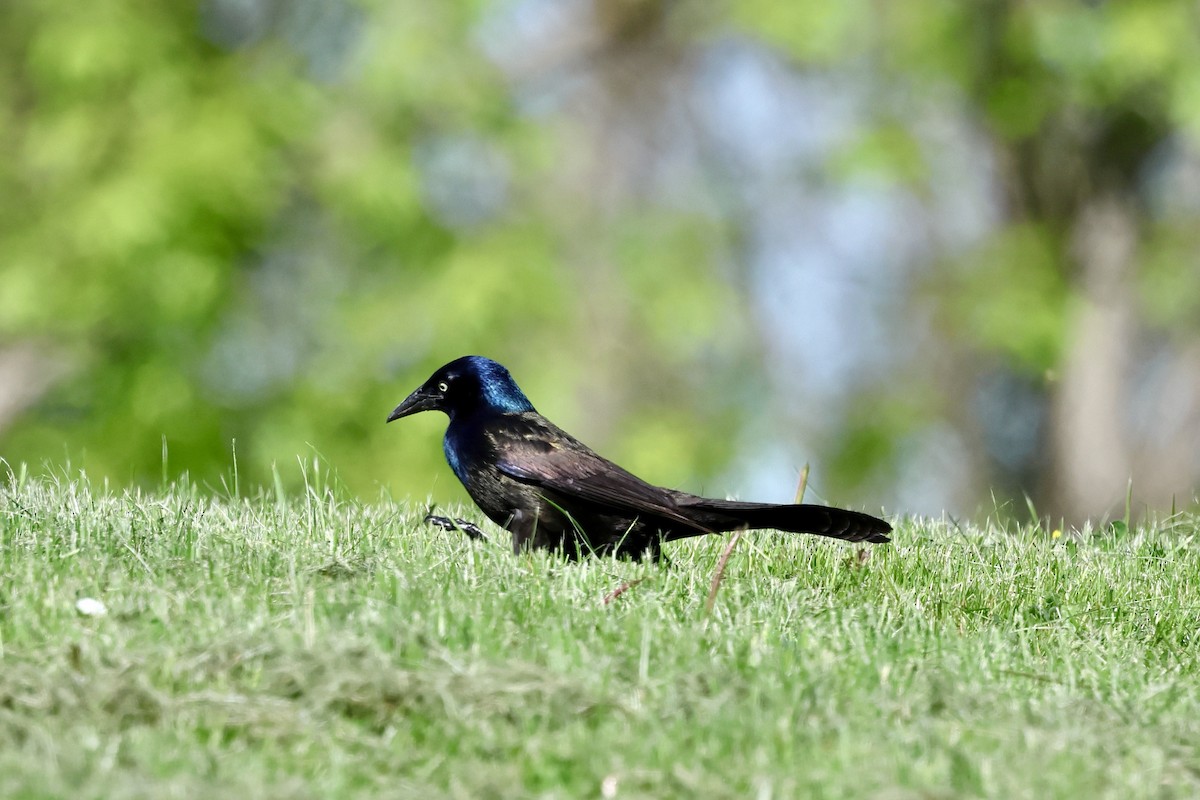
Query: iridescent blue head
(465,385)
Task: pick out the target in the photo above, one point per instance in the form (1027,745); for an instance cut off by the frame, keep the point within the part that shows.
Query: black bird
(552,491)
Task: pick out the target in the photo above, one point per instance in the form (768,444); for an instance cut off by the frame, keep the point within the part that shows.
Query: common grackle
(552,491)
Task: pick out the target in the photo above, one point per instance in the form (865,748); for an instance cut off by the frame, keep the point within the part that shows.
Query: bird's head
(465,385)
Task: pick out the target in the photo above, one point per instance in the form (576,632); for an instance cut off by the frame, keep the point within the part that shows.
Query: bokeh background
(946,252)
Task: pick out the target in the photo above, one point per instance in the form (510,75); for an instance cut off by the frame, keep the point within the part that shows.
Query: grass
(320,647)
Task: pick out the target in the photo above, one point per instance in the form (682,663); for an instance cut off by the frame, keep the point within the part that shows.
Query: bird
(552,492)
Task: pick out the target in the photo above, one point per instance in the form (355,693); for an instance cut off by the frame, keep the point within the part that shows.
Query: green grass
(320,647)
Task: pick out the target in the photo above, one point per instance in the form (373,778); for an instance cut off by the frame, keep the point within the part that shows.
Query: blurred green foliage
(1013,298)
(1079,103)
(217,247)
(254,238)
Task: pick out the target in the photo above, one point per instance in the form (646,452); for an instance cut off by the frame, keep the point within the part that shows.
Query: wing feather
(532,450)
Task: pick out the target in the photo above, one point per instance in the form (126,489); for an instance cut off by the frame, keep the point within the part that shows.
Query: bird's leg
(447,524)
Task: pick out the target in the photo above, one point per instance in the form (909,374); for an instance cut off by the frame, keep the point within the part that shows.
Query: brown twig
(803,486)
(719,575)
(620,590)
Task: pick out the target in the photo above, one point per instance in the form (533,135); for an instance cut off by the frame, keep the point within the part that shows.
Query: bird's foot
(447,524)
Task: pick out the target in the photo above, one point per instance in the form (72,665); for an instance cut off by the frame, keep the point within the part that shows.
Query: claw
(471,530)
(447,524)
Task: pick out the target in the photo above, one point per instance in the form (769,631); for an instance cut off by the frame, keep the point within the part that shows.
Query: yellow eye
(443,387)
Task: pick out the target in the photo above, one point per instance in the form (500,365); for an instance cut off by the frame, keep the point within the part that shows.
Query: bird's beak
(418,401)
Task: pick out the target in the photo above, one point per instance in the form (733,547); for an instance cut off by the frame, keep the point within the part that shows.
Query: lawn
(316,646)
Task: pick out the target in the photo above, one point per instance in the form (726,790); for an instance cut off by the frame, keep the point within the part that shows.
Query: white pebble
(90,607)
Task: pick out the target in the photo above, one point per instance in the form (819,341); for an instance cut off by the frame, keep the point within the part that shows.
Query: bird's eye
(443,387)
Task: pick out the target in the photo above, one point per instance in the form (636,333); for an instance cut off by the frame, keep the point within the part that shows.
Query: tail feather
(836,523)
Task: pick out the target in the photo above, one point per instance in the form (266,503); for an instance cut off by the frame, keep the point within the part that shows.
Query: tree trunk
(1092,461)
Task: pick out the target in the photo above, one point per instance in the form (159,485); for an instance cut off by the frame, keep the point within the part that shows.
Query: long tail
(836,523)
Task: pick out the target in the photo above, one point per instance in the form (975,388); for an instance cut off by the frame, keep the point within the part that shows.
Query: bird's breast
(468,455)
(455,458)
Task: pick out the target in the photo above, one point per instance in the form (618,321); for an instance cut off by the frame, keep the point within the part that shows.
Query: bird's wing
(530,449)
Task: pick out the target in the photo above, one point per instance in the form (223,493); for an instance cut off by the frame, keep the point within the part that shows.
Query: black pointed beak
(418,401)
